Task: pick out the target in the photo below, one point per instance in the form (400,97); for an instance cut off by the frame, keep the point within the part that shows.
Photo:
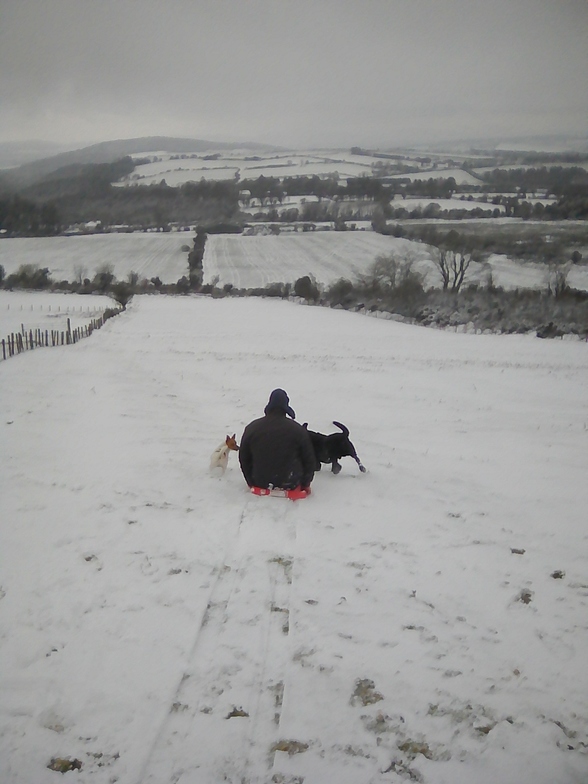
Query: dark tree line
(554,180)
(530,247)
(83,193)
(364,187)
(19,216)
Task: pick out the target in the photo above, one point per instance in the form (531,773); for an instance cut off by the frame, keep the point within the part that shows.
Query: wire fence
(28,339)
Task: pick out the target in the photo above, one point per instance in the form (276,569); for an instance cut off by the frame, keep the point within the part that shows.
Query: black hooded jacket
(276,451)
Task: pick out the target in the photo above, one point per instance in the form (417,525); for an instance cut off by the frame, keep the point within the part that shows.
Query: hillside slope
(110,151)
(423,622)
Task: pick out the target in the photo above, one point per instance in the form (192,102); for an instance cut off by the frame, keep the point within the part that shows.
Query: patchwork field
(249,262)
(177,170)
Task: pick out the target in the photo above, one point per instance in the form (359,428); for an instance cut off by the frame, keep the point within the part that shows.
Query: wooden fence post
(17,342)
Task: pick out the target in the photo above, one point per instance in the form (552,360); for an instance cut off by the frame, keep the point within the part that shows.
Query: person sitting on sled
(276,452)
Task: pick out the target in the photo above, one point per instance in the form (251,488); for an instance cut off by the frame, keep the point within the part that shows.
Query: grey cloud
(294,71)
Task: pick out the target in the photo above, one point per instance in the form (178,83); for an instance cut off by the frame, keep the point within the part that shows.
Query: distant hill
(14,154)
(540,144)
(109,152)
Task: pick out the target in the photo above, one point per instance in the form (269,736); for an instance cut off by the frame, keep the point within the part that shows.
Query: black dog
(329,449)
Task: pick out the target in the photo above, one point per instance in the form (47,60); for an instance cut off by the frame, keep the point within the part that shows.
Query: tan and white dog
(220,457)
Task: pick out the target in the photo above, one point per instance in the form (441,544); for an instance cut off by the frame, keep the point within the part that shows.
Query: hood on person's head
(279,401)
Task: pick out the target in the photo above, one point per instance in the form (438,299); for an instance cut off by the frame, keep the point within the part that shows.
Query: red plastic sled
(294,495)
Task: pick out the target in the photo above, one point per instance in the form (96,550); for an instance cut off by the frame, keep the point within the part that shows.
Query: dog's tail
(342,427)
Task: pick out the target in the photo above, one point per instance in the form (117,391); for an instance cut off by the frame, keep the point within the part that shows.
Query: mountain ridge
(111,151)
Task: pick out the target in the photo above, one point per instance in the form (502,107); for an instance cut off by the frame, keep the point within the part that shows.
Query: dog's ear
(305,425)
(231,442)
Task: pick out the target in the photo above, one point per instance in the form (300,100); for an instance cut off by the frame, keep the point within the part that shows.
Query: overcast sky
(292,72)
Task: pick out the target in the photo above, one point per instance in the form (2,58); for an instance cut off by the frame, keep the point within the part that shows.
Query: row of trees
(83,193)
(196,260)
(394,284)
(275,189)
(19,216)
(554,180)
(32,276)
(80,194)
(517,244)
(571,189)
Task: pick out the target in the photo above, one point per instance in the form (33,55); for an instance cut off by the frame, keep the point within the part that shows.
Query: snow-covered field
(146,253)
(250,164)
(177,171)
(424,622)
(243,261)
(260,260)
(249,262)
(48,311)
(527,275)
(328,255)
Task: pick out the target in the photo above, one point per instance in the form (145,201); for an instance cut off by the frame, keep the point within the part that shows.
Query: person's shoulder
(294,425)
(253,424)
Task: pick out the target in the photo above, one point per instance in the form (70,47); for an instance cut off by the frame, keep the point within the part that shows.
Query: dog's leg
(335,467)
(362,468)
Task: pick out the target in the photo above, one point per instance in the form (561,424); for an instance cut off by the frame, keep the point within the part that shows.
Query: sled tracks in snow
(224,718)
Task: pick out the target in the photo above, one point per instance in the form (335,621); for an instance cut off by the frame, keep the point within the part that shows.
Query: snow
(177,171)
(48,311)
(257,261)
(512,274)
(378,631)
(149,254)
(328,255)
(237,259)
(250,261)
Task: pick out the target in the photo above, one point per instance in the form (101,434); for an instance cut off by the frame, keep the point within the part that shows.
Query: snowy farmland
(33,310)
(148,254)
(328,255)
(257,261)
(250,262)
(424,622)
(242,261)
(177,170)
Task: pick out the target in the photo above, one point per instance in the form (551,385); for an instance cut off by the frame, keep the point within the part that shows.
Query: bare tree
(391,272)
(104,277)
(122,292)
(80,272)
(452,266)
(557,278)
(133,279)
(453,258)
